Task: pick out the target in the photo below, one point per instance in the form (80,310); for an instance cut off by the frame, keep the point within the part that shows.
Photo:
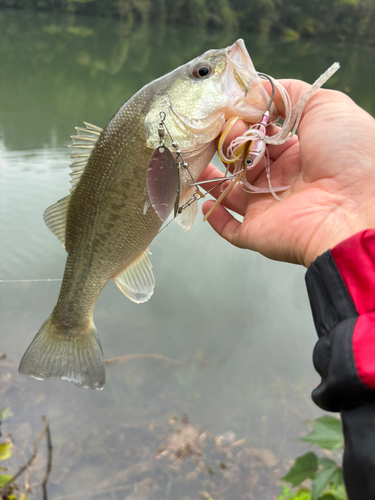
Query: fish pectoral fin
(186,218)
(137,281)
(55,218)
(147,203)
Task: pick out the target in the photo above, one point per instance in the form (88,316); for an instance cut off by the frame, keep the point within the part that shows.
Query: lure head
(256,147)
(254,154)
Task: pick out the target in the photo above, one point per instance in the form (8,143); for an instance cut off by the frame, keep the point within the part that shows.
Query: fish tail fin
(77,358)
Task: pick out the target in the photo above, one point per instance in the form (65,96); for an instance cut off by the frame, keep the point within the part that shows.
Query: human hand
(330,168)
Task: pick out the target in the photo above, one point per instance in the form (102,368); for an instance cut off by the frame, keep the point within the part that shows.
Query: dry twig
(129,357)
(45,431)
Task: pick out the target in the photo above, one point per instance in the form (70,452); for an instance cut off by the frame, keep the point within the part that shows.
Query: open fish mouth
(249,98)
(239,55)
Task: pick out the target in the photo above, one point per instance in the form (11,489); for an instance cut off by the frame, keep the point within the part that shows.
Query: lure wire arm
(179,162)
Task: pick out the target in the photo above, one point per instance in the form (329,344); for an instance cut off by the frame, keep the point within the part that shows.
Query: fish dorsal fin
(83,144)
(55,218)
(186,218)
(137,281)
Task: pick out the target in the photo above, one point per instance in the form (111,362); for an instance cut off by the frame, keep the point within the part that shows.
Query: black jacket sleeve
(339,283)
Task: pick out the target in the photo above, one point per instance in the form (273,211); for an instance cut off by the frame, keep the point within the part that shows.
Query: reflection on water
(238,324)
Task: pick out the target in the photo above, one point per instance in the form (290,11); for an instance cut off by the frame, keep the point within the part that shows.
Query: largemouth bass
(104,222)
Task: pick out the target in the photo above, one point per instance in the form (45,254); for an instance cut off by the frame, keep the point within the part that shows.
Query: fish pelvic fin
(137,281)
(77,358)
(186,218)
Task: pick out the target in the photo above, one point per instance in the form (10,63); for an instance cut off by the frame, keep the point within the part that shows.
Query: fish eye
(202,69)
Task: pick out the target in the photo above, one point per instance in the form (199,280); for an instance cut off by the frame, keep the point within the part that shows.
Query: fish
(106,223)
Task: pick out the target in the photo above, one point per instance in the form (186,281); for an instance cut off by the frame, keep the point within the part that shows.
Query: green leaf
(322,478)
(337,477)
(4,478)
(5,451)
(302,496)
(338,493)
(6,413)
(303,467)
(327,463)
(287,494)
(327,433)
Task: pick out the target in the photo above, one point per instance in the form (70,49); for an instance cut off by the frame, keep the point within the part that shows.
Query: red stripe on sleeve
(355,259)
(364,348)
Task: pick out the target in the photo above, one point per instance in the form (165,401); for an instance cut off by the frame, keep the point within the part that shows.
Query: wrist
(335,238)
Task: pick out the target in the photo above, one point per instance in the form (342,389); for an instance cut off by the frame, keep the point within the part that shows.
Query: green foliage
(5,413)
(326,433)
(287,494)
(5,454)
(343,20)
(4,478)
(5,448)
(304,467)
(5,451)
(326,476)
(290,35)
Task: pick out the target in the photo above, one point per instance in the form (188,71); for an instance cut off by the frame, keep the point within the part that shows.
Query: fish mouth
(242,83)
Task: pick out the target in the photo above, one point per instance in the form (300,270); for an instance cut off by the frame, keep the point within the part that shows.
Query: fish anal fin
(186,218)
(76,357)
(137,281)
(55,218)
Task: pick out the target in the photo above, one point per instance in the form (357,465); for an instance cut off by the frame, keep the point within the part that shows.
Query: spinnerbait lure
(246,151)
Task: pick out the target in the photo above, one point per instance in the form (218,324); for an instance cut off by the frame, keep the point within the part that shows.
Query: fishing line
(30,281)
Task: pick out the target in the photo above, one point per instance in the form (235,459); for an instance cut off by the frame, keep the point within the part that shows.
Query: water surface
(238,324)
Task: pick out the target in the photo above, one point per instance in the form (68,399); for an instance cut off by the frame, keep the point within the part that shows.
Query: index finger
(295,88)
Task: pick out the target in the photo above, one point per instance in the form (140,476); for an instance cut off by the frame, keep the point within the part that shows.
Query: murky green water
(238,324)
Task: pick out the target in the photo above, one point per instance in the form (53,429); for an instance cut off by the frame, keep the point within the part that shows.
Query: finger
(276,151)
(295,88)
(223,223)
(238,129)
(216,188)
(236,200)
(211,172)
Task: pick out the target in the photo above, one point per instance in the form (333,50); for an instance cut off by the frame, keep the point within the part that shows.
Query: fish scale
(103,223)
